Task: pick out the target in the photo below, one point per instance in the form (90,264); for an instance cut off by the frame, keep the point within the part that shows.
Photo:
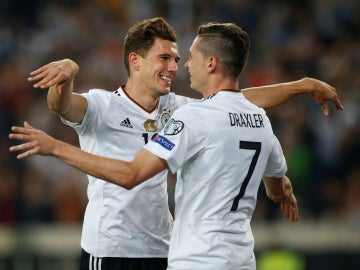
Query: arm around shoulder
(273,95)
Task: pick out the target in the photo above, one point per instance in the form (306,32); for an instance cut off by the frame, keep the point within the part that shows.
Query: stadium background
(42,200)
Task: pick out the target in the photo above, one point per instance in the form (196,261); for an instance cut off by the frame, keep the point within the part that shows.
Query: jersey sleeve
(276,165)
(180,140)
(98,102)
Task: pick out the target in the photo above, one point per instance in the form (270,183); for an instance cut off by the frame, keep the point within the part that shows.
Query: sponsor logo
(163,142)
(126,123)
(173,127)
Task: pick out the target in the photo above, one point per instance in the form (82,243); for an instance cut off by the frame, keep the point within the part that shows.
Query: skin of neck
(218,82)
(141,95)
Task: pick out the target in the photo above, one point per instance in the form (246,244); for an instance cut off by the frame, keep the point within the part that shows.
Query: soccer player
(220,146)
(131,229)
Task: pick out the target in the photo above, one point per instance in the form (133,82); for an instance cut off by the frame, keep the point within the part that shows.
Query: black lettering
(232,120)
(261,120)
(237,119)
(246,120)
(243,123)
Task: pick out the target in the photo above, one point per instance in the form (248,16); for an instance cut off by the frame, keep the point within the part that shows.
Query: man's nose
(173,66)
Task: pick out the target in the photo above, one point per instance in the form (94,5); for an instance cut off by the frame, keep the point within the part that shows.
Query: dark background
(289,40)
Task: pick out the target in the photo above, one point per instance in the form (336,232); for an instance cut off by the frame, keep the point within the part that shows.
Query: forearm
(111,170)
(273,95)
(126,174)
(59,77)
(59,97)
(70,106)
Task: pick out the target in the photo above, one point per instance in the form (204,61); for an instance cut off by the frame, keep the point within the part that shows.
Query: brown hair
(141,36)
(227,42)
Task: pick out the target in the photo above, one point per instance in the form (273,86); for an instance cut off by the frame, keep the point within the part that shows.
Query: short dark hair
(141,36)
(227,42)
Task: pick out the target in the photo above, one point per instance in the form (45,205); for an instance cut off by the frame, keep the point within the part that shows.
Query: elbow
(127,182)
(54,107)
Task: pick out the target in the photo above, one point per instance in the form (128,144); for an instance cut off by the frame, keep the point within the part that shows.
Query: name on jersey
(246,120)
(163,142)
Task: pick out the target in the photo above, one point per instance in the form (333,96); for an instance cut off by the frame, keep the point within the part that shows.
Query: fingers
(46,78)
(338,105)
(52,74)
(290,210)
(325,109)
(19,130)
(26,154)
(23,134)
(20,147)
(31,148)
(293,213)
(28,126)
(39,70)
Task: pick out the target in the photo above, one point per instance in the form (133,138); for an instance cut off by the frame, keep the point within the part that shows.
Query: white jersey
(118,222)
(220,147)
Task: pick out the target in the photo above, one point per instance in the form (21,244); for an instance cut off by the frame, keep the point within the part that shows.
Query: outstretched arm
(276,94)
(59,77)
(280,191)
(125,174)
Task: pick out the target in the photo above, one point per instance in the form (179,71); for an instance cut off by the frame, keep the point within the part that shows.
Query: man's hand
(36,141)
(323,92)
(56,73)
(290,208)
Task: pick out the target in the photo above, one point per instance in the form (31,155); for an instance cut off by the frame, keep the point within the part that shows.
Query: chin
(166,91)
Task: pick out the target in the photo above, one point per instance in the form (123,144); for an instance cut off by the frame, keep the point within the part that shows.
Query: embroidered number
(248,146)
(146,137)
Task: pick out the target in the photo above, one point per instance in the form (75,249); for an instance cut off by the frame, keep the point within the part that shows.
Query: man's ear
(134,61)
(212,62)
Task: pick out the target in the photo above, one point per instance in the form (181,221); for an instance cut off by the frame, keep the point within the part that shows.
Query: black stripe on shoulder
(117,92)
(211,96)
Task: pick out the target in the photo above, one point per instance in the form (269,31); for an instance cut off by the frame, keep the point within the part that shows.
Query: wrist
(57,148)
(305,86)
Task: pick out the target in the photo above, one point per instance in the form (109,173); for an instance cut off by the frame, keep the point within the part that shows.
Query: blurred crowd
(289,40)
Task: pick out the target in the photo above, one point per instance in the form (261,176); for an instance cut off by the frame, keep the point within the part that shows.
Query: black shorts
(89,262)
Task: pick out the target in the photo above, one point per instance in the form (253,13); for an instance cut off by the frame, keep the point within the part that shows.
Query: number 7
(250,146)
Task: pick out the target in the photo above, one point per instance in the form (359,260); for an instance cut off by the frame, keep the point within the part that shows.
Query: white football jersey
(118,222)
(220,148)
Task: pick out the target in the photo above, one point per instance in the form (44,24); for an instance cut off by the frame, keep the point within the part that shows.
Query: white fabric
(202,142)
(120,222)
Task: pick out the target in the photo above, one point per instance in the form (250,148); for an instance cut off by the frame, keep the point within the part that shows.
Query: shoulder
(99,91)
(172,98)
(191,112)
(99,97)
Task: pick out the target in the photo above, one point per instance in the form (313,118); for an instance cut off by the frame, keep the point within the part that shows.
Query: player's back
(217,187)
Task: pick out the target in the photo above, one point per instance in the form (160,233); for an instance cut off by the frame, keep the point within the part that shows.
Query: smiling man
(130,229)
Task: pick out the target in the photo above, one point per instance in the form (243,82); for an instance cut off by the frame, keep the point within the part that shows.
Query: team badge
(150,126)
(173,127)
(164,118)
